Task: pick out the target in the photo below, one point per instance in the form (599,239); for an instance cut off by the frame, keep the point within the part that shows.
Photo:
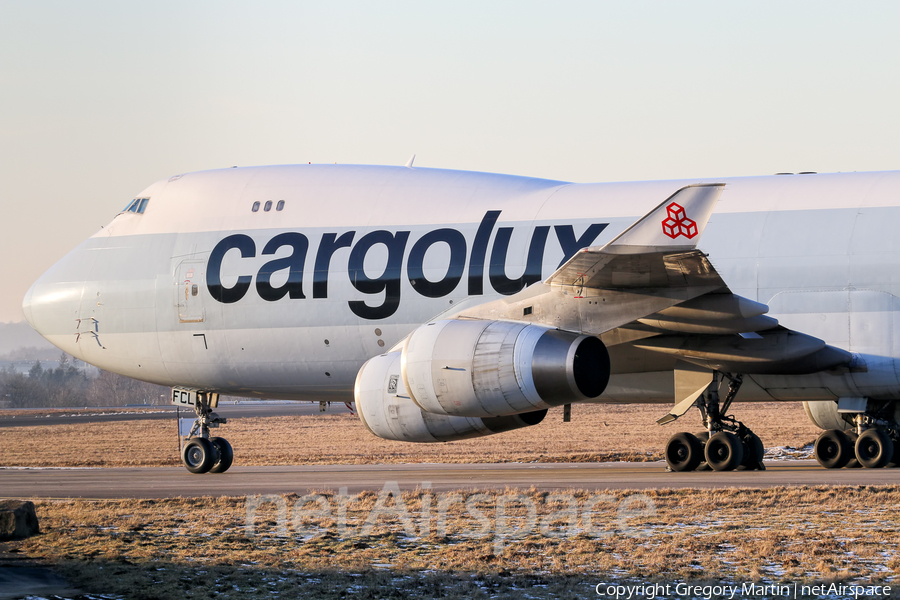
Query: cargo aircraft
(450,305)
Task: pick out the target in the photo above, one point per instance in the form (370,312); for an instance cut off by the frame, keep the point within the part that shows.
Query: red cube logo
(676,211)
(677,222)
(688,228)
(670,228)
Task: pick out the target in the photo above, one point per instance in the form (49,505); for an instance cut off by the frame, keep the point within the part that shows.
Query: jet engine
(387,411)
(473,368)
(463,378)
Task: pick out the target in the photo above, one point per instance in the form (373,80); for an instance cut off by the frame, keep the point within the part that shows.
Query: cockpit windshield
(138,205)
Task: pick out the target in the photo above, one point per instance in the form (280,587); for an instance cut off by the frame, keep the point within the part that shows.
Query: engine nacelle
(387,411)
(472,368)
(824,415)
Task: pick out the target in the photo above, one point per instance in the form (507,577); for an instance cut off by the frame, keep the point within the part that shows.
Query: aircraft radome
(452,304)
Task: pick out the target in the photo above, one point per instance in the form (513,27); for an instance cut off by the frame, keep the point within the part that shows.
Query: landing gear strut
(725,445)
(873,443)
(203,453)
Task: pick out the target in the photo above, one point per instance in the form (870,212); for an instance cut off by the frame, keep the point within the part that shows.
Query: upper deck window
(267,206)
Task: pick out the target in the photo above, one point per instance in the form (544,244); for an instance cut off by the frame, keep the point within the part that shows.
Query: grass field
(200,548)
(596,433)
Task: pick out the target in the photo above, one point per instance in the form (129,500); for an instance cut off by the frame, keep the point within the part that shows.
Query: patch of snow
(789,453)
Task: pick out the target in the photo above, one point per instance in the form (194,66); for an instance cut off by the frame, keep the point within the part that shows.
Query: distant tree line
(68,386)
(31,353)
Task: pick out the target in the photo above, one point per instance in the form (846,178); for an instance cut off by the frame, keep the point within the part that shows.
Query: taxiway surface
(167,482)
(241,410)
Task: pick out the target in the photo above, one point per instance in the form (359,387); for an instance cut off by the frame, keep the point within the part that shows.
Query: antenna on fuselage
(409,163)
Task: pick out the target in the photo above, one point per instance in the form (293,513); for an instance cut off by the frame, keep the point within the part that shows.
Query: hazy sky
(100,99)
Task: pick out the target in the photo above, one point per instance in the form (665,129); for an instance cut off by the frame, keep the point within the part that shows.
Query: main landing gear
(203,453)
(727,444)
(874,442)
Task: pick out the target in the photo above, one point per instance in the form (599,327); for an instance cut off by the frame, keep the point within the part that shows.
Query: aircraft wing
(651,266)
(651,290)
(658,251)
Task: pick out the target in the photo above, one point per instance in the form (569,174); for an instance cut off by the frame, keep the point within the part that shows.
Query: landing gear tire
(703,436)
(754,451)
(727,444)
(895,462)
(724,451)
(198,455)
(854,462)
(224,455)
(834,449)
(684,452)
(203,453)
(874,449)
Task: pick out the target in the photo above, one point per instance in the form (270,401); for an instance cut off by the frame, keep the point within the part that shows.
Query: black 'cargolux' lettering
(499,281)
(327,247)
(214,268)
(389,281)
(415,269)
(479,250)
(294,285)
(566,236)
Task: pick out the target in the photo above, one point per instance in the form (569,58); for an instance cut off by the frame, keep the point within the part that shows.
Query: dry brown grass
(199,547)
(597,433)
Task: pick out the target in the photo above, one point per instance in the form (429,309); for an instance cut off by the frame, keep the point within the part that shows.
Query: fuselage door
(188,299)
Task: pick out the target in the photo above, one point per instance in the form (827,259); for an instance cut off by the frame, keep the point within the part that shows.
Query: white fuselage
(201,291)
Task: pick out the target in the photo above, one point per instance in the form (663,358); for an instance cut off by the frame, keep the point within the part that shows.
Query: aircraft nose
(53,303)
(26,306)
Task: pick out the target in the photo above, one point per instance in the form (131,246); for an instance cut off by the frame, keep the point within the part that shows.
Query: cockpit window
(138,205)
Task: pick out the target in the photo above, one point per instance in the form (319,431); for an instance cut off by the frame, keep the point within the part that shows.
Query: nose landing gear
(727,444)
(203,453)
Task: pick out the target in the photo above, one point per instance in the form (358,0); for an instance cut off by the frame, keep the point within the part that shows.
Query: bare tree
(67,386)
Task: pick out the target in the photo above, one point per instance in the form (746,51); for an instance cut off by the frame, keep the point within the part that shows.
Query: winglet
(409,163)
(676,224)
